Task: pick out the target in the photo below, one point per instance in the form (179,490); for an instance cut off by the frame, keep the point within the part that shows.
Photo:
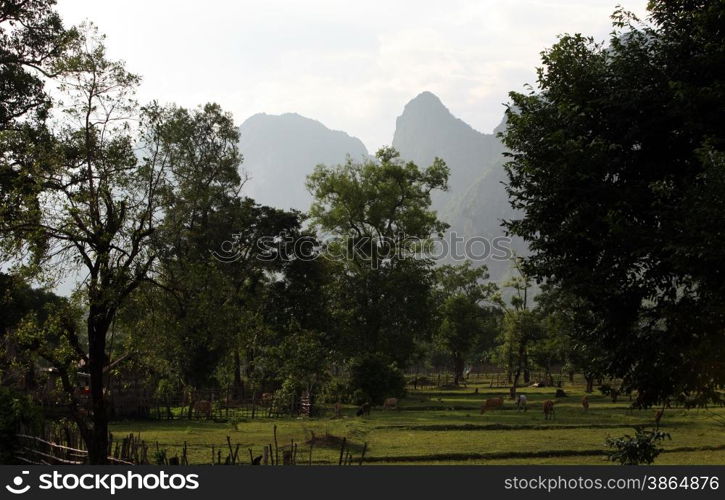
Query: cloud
(352,66)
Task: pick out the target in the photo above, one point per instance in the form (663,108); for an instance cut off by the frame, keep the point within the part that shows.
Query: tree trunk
(98,325)
(590,383)
(457,368)
(238,385)
(515,384)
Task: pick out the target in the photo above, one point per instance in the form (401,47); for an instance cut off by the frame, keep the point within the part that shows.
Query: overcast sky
(351,65)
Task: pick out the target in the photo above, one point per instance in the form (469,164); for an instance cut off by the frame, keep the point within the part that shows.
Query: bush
(336,390)
(372,380)
(640,449)
(16,411)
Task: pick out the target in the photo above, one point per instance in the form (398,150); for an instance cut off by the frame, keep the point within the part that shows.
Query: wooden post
(362,456)
(276,448)
(342,451)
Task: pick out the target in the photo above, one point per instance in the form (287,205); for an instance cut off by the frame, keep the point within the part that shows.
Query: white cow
(521,402)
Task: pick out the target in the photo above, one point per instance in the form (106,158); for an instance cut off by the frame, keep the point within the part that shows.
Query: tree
(378,217)
(100,205)
(464,304)
(617,166)
(32,40)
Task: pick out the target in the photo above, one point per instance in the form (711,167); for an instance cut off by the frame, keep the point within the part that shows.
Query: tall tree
(100,205)
(465,304)
(378,216)
(617,166)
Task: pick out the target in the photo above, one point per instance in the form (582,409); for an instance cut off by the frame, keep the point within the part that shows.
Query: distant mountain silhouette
(281,150)
(476,201)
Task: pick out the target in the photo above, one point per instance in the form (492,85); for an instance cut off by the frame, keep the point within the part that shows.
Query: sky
(351,65)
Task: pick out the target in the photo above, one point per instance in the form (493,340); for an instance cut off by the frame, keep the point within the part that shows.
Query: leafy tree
(372,380)
(378,218)
(32,40)
(465,303)
(104,188)
(617,166)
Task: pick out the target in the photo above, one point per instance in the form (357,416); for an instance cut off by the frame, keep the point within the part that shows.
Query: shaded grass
(445,427)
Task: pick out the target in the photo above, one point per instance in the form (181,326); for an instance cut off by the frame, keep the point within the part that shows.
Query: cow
(585,403)
(363,410)
(490,404)
(391,403)
(521,402)
(267,398)
(548,409)
(202,407)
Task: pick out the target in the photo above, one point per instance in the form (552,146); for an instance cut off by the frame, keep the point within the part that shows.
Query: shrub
(638,449)
(16,411)
(372,380)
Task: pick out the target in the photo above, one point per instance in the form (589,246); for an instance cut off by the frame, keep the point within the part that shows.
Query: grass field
(445,427)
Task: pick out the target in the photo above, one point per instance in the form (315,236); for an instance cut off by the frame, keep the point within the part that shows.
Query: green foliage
(617,166)
(372,380)
(16,411)
(378,217)
(466,306)
(160,457)
(638,449)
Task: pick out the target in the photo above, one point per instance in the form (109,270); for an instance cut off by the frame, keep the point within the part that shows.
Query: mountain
(427,129)
(476,201)
(281,150)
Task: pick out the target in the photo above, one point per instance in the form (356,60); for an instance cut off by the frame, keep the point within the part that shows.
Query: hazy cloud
(350,65)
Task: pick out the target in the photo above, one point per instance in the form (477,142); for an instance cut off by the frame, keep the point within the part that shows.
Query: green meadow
(445,427)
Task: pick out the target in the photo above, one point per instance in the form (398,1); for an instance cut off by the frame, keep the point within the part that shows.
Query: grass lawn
(445,427)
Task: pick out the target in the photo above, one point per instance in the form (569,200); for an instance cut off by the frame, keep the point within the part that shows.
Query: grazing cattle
(202,407)
(548,409)
(658,416)
(363,410)
(391,403)
(560,393)
(585,403)
(491,404)
(521,403)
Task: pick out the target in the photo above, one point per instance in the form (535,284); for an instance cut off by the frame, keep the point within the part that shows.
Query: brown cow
(491,404)
(391,403)
(585,403)
(267,398)
(548,409)
(203,407)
